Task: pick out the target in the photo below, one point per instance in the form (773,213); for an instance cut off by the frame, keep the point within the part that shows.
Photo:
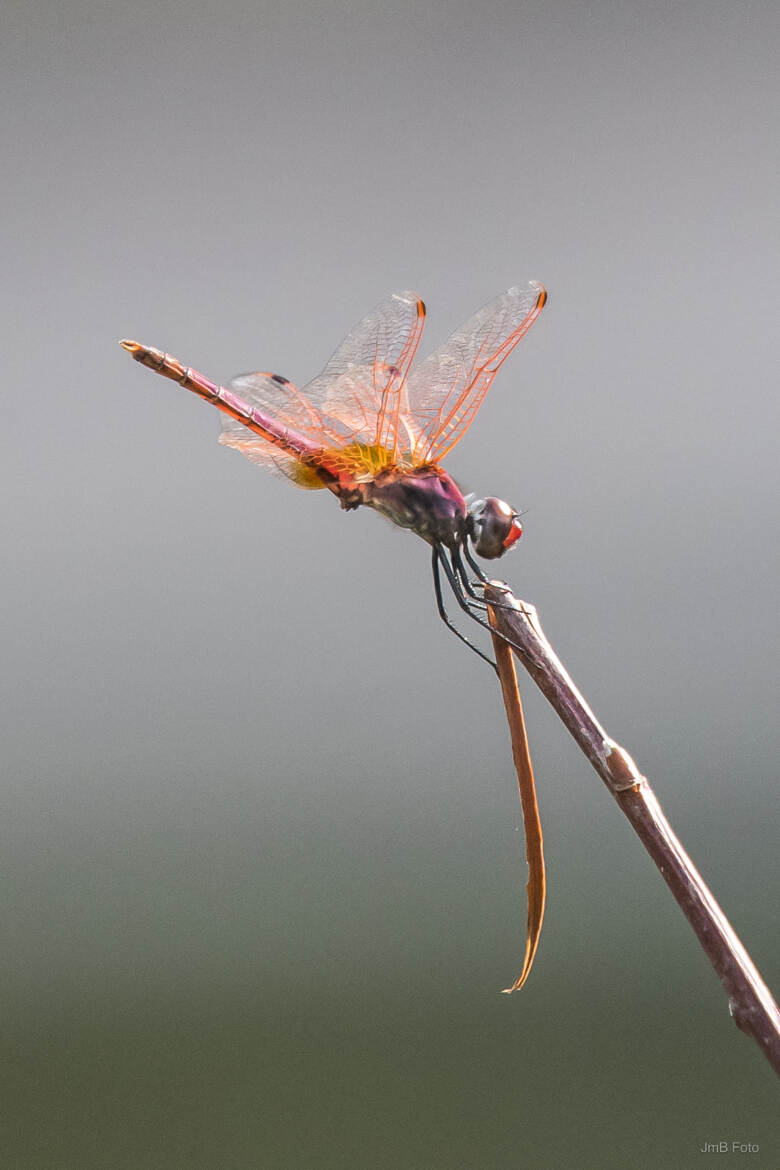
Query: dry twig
(536,888)
(750,1000)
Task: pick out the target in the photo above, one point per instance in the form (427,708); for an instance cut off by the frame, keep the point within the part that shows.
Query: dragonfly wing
(283,401)
(446,390)
(351,411)
(361,393)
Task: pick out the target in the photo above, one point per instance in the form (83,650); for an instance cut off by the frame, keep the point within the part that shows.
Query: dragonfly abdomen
(225,400)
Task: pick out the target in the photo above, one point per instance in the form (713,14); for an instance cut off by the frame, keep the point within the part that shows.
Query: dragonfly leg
(484,580)
(437,555)
(468,586)
(468,606)
(474,564)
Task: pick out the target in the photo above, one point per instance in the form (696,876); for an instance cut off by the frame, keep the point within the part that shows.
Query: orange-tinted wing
(446,390)
(351,410)
(284,402)
(360,394)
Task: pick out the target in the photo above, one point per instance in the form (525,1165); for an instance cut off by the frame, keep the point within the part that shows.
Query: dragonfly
(373,428)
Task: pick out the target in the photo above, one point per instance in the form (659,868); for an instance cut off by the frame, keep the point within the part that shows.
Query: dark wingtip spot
(421,309)
(278,378)
(542,300)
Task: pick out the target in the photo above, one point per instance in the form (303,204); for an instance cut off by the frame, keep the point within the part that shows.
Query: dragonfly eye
(493,527)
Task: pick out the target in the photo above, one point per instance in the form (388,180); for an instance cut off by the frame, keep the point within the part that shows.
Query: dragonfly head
(493,527)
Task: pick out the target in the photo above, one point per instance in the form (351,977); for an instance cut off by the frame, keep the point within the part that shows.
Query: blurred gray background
(263,867)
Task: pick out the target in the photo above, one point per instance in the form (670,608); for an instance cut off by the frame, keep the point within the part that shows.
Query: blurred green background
(263,862)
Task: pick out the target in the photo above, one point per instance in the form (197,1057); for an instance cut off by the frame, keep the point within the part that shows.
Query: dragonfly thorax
(425,499)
